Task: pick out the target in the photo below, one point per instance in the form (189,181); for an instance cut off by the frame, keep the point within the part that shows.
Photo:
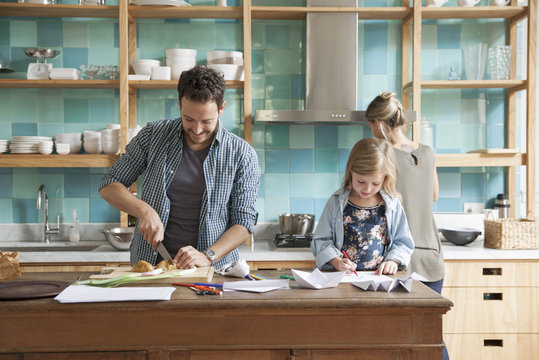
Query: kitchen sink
(38,247)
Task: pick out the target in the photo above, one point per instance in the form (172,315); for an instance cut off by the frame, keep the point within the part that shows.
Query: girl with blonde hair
(363,225)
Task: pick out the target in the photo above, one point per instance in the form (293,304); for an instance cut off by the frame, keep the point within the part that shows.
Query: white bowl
(73,139)
(92,135)
(176,69)
(93,147)
(160,73)
(138,77)
(181,53)
(110,147)
(144,66)
(113,126)
(45,151)
(62,148)
(110,132)
(224,57)
(229,71)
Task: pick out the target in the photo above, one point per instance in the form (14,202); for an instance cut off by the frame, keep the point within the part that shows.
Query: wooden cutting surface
(202,274)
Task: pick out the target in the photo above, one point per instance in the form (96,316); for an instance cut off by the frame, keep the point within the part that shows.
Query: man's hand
(151,227)
(188,257)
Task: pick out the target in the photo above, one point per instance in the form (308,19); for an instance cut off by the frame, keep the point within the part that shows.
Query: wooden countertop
(341,323)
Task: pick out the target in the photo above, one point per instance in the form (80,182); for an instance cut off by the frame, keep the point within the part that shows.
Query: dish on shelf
(41,53)
(138,77)
(229,71)
(100,72)
(144,66)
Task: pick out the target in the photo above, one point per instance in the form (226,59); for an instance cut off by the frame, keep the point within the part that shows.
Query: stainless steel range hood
(331,70)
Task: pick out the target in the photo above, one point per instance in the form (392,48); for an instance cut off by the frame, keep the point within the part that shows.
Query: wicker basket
(511,234)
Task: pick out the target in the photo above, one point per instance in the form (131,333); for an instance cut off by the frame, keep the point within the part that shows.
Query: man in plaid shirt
(200,180)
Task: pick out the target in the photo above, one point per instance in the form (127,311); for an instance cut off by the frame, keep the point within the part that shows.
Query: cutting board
(201,274)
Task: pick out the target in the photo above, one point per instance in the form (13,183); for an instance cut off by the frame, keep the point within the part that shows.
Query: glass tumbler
(475,57)
(499,62)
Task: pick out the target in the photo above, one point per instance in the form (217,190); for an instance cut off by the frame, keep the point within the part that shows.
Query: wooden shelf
(300,13)
(468,84)
(59,84)
(475,12)
(173,84)
(73,11)
(185,12)
(57,161)
(478,160)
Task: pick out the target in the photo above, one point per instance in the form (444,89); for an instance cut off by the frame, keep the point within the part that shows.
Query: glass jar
(427,134)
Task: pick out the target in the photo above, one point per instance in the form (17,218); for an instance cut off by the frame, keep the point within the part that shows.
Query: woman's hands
(341,264)
(388,267)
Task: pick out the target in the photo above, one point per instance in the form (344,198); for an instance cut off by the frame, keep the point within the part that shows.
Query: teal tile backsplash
(301,164)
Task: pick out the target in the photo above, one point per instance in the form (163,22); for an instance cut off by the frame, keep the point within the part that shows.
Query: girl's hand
(388,267)
(341,264)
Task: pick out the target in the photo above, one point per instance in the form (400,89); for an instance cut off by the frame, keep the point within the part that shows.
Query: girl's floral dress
(365,235)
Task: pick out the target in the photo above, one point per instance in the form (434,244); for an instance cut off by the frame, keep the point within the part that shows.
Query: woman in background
(417,182)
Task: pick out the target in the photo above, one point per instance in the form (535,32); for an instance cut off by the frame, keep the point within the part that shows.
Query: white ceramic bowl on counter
(73,139)
(224,57)
(62,148)
(229,71)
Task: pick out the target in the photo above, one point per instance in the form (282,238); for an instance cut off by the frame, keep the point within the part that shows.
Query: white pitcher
(435,3)
(468,3)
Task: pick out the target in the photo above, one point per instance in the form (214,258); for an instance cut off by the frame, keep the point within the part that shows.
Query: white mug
(468,3)
(499,2)
(435,3)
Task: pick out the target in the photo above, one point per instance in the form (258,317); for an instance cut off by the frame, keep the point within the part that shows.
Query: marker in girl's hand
(346,256)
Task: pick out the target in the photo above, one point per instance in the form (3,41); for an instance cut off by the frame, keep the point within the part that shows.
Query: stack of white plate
(180,60)
(26,144)
(4,146)
(64,74)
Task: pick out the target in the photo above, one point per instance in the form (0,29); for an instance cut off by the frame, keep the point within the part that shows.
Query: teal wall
(301,165)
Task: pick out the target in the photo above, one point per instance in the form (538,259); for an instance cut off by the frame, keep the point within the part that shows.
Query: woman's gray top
(415,183)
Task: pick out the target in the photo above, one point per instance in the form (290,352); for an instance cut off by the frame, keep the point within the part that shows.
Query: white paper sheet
(84,293)
(386,283)
(258,286)
(317,279)
(351,277)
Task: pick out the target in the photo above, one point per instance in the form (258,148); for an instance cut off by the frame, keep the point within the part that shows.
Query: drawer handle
(493,342)
(492,271)
(492,296)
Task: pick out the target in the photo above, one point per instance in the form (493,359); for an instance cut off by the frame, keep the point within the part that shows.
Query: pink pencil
(346,256)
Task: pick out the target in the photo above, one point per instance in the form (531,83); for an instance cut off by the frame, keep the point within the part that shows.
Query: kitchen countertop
(262,251)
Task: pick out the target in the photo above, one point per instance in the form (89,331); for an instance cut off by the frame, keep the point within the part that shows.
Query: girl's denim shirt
(329,235)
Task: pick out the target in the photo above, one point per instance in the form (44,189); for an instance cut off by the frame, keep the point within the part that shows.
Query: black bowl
(460,236)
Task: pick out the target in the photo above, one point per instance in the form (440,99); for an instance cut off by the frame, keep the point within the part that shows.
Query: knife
(163,251)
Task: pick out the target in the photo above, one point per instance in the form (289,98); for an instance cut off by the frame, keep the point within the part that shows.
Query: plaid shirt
(230,169)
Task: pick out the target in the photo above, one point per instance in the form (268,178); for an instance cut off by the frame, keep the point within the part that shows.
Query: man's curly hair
(202,84)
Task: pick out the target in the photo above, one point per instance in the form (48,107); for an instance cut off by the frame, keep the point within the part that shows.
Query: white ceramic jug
(435,3)
(468,3)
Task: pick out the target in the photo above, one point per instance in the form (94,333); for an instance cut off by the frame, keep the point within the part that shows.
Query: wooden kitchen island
(338,323)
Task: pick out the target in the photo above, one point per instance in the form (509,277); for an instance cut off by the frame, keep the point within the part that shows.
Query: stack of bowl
(229,63)
(110,140)
(45,147)
(180,60)
(144,66)
(92,142)
(73,139)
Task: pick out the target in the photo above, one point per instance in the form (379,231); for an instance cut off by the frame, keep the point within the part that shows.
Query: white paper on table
(84,293)
(386,283)
(317,279)
(350,277)
(258,286)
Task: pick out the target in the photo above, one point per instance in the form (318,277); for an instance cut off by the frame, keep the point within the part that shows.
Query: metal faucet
(47,230)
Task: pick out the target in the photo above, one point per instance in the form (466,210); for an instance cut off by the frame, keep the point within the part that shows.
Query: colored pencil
(346,256)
